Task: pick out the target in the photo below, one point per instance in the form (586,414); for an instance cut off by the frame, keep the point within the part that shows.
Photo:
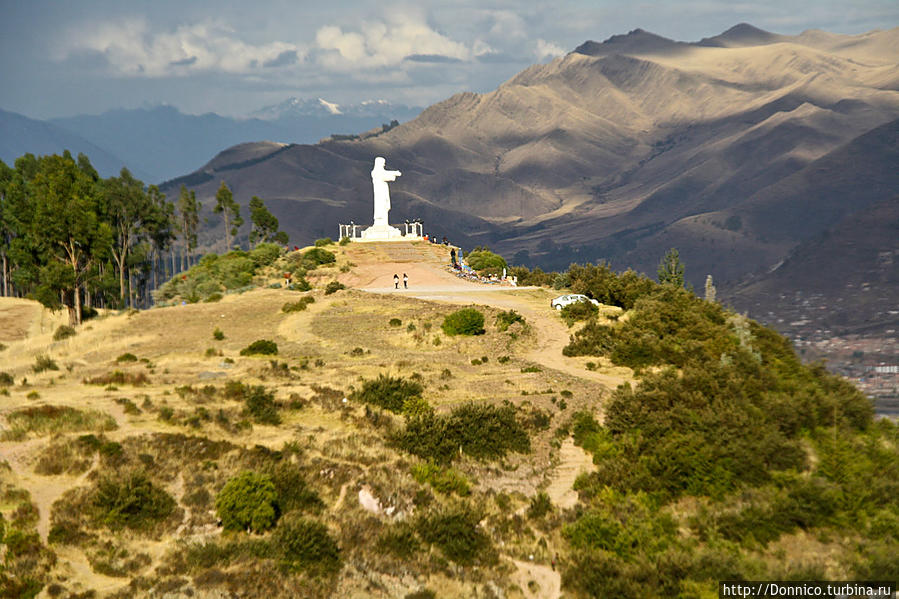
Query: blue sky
(61,58)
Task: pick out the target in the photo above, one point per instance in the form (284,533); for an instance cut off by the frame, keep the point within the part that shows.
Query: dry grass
(336,446)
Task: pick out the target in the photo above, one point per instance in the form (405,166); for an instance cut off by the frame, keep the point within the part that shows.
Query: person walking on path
(405,281)
(396,281)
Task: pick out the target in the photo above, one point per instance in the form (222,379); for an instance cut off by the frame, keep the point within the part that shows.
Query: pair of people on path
(396,281)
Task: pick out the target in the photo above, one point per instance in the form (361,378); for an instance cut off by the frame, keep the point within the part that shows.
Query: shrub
(294,493)
(506,319)
(323,242)
(299,284)
(578,311)
(486,262)
(248,502)
(212,298)
(261,405)
(265,254)
(467,321)
(456,532)
(260,347)
(126,357)
(130,501)
(307,545)
(63,332)
(57,419)
(334,287)
(540,506)
(318,256)
(479,430)
(6,379)
(387,392)
(444,480)
(217,334)
(395,322)
(117,377)
(44,362)
(345,240)
(399,540)
(295,306)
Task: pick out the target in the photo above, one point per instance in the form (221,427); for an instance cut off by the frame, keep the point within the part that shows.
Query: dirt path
(574,461)
(548,581)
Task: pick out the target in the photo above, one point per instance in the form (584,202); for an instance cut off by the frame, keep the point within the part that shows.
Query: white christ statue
(379,179)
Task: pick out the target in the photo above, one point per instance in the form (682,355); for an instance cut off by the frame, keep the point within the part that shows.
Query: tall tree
(68,228)
(129,211)
(671,269)
(230,210)
(188,220)
(265,224)
(161,228)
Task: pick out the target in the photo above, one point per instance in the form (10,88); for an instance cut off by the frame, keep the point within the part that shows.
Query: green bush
(540,506)
(399,540)
(56,419)
(467,321)
(126,357)
(456,532)
(44,362)
(217,334)
(130,501)
(345,241)
(6,379)
(334,287)
(265,254)
(479,430)
(388,392)
(506,319)
(323,242)
(485,262)
(260,347)
(578,311)
(261,405)
(308,546)
(317,257)
(248,501)
(395,322)
(63,332)
(298,306)
(212,298)
(442,479)
(294,493)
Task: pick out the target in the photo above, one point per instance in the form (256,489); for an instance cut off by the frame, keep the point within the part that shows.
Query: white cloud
(545,49)
(380,44)
(131,48)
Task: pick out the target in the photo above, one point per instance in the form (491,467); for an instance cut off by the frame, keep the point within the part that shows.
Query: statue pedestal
(381,232)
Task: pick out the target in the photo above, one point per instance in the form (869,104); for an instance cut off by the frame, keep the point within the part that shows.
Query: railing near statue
(411,229)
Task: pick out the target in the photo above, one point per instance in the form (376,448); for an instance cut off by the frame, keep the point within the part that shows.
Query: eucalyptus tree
(161,228)
(67,228)
(265,224)
(130,213)
(230,211)
(188,221)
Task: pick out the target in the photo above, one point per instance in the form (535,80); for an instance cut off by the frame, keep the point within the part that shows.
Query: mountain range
(160,143)
(734,149)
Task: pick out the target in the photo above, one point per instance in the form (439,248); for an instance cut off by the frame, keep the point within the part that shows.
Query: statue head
(379,162)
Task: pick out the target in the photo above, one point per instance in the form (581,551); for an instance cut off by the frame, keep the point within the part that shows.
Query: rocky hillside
(618,151)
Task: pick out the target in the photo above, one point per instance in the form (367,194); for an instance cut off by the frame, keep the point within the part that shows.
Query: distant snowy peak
(297,107)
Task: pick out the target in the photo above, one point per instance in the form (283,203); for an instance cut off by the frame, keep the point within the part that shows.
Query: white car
(565,300)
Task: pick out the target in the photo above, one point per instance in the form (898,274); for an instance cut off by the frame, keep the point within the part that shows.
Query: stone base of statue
(382,232)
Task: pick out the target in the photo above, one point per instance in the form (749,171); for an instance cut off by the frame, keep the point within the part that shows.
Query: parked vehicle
(564,300)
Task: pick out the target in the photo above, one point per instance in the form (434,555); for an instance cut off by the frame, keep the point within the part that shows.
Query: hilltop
(391,456)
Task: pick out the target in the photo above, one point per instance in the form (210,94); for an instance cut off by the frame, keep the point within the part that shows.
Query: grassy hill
(354,447)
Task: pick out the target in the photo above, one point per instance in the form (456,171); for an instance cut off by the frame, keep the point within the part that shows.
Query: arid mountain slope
(608,152)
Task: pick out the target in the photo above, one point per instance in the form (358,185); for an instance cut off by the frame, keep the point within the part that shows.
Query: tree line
(70,238)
